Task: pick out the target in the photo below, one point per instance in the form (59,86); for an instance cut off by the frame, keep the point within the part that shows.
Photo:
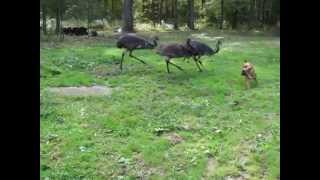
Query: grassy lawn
(183,125)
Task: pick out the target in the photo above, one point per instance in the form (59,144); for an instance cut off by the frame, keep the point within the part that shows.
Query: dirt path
(211,166)
(82,91)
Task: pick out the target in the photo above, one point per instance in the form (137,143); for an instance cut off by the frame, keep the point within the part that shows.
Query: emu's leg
(175,66)
(167,62)
(123,53)
(186,59)
(196,61)
(130,54)
(201,63)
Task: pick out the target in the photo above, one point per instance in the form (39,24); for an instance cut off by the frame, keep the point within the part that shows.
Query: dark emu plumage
(132,42)
(199,49)
(174,50)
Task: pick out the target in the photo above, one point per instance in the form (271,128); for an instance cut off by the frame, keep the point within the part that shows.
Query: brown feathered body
(174,50)
(132,42)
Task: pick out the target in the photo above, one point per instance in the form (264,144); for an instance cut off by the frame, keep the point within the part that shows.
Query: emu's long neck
(217,48)
(155,43)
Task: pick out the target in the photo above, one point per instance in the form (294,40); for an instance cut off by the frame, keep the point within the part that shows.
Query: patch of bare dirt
(211,166)
(174,138)
(106,70)
(143,171)
(82,91)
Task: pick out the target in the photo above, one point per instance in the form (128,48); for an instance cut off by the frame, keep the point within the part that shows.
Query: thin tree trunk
(57,21)
(222,11)
(191,14)
(202,3)
(44,19)
(153,13)
(263,11)
(172,8)
(166,5)
(112,7)
(127,16)
(235,20)
(61,3)
(88,14)
(161,11)
(251,16)
(175,24)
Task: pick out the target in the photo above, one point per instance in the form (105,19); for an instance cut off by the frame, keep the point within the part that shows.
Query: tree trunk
(153,8)
(263,11)
(172,8)
(235,20)
(175,24)
(166,5)
(222,11)
(57,21)
(161,11)
(61,3)
(112,10)
(191,14)
(127,16)
(202,3)
(44,19)
(88,14)
(251,16)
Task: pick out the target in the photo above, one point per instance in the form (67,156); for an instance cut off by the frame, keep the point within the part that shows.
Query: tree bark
(57,21)
(161,11)
(191,14)
(44,19)
(202,3)
(88,14)
(263,11)
(175,24)
(127,16)
(112,10)
(222,11)
(172,8)
(166,5)
(235,19)
(61,4)
(251,16)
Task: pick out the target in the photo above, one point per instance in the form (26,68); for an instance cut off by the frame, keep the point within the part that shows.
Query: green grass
(115,137)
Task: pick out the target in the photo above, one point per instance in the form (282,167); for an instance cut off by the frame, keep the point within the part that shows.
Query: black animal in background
(77,31)
(174,50)
(200,49)
(93,33)
(131,42)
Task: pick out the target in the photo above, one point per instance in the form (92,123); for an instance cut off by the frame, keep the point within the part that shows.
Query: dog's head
(246,69)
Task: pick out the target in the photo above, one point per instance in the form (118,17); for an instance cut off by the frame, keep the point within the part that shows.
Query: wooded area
(223,14)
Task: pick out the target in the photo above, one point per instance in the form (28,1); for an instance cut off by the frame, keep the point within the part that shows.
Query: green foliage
(238,14)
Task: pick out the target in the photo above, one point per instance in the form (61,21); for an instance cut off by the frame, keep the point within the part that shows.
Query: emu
(200,49)
(174,51)
(131,42)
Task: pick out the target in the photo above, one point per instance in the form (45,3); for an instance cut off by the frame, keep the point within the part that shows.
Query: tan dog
(249,73)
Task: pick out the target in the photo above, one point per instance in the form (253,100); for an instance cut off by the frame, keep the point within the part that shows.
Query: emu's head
(219,43)
(152,43)
(155,40)
(189,47)
(188,41)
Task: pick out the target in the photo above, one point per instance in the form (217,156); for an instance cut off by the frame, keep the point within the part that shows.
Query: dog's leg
(246,83)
